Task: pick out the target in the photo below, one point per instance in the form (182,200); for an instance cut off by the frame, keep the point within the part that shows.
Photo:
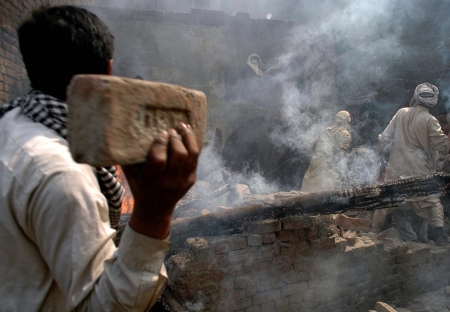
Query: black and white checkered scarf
(52,113)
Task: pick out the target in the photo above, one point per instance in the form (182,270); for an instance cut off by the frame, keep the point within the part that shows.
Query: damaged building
(274,76)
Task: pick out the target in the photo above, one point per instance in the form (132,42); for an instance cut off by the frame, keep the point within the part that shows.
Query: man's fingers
(157,155)
(177,153)
(189,140)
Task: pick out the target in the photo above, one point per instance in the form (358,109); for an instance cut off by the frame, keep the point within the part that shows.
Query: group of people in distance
(416,142)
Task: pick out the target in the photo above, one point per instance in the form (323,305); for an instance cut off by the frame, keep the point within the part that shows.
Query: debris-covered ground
(435,301)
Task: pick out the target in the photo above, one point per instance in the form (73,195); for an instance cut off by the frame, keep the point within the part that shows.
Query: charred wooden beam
(190,203)
(391,194)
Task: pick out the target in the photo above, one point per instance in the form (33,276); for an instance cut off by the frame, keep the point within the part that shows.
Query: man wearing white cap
(417,140)
(328,147)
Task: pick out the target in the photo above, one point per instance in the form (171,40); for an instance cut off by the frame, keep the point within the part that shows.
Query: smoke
(362,56)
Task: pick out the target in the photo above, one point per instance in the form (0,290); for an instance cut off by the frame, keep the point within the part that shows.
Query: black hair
(59,42)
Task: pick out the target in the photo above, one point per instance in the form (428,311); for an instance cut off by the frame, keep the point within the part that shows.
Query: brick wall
(302,264)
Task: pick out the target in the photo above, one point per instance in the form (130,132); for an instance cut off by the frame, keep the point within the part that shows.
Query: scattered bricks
(390,233)
(254,240)
(285,236)
(312,233)
(242,282)
(350,236)
(200,247)
(353,223)
(296,288)
(266,296)
(323,243)
(131,128)
(268,238)
(296,224)
(263,227)
(383,307)
(223,248)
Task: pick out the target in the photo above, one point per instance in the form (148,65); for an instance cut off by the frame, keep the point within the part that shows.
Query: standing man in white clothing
(57,217)
(329,147)
(417,140)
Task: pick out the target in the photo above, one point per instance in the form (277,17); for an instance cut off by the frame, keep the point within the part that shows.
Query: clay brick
(242,304)
(296,224)
(253,309)
(9,80)
(269,284)
(281,303)
(296,288)
(216,276)
(383,307)
(312,233)
(208,289)
(353,223)
(223,248)
(301,234)
(303,275)
(285,236)
(268,307)
(268,238)
(350,236)
(242,282)
(254,240)
(266,253)
(262,266)
(264,227)
(237,243)
(323,243)
(266,296)
(115,120)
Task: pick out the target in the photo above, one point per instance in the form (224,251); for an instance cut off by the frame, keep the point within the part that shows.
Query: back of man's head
(59,42)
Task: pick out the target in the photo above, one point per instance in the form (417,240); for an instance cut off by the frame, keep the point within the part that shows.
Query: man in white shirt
(417,140)
(56,216)
(324,172)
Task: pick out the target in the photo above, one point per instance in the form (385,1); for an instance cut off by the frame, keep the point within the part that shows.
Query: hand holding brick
(114,120)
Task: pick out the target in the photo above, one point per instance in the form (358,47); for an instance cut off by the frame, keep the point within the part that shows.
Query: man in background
(57,216)
(417,140)
(324,172)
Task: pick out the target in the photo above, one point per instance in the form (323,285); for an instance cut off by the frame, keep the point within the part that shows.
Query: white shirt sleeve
(68,219)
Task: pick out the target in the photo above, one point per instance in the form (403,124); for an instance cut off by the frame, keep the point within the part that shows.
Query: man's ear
(109,70)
